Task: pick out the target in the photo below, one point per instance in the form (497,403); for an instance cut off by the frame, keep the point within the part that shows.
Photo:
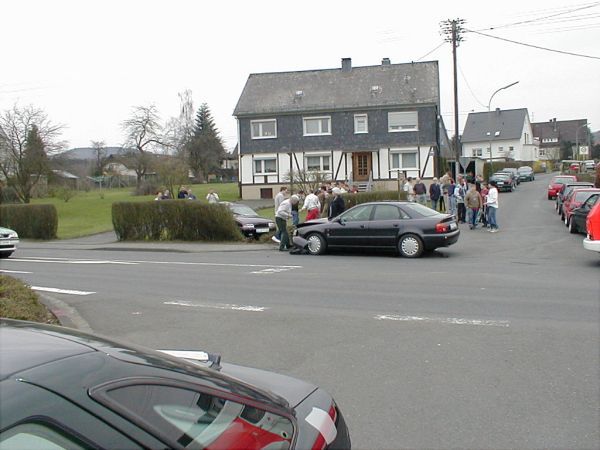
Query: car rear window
(562,180)
(418,209)
(242,210)
(197,419)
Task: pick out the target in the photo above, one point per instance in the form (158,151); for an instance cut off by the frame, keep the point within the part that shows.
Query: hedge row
(30,221)
(167,220)
(351,200)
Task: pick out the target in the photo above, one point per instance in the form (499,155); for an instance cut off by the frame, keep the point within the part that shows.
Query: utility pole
(453,30)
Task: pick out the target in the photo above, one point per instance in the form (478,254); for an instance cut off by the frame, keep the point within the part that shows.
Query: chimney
(346,64)
(385,62)
(498,111)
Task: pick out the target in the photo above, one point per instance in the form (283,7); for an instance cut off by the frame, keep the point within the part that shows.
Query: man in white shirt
(280,197)
(312,205)
(284,212)
(492,206)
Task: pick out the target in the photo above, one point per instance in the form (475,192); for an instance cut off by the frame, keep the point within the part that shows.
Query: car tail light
(442,227)
(320,443)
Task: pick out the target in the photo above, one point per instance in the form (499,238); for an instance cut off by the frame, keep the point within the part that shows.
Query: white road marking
(271,270)
(449,320)
(13,271)
(218,306)
(60,291)
(179,263)
(73,261)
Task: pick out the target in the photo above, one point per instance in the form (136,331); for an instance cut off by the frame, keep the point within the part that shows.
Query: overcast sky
(88,63)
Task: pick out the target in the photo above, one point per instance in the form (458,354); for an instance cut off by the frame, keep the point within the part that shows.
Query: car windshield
(242,210)
(525,169)
(562,180)
(421,210)
(582,196)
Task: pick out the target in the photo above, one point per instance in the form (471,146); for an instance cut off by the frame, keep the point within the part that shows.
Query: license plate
(262,230)
(8,242)
(453,226)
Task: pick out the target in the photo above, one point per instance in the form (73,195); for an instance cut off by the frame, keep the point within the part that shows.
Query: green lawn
(90,212)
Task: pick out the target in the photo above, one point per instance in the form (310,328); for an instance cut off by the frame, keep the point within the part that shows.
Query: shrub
(65,193)
(146,188)
(17,301)
(184,220)
(37,221)
(8,195)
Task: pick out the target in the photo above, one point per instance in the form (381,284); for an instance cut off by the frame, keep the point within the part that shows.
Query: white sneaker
(274,239)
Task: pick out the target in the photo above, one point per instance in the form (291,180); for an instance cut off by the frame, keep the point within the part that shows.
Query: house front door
(361,166)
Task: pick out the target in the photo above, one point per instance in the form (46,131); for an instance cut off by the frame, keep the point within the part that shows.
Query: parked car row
(509,178)
(578,205)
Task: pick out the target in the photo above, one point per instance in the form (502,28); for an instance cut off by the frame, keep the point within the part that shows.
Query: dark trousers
(284,243)
(462,211)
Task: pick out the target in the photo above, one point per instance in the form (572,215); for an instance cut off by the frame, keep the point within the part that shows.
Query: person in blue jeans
(492,207)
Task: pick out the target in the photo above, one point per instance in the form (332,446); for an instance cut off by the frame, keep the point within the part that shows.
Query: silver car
(9,239)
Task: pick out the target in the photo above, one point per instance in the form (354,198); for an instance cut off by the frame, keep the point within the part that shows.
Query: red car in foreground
(557,183)
(574,200)
(592,241)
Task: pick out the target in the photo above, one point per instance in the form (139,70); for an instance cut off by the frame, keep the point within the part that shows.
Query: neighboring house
(65,178)
(553,135)
(507,132)
(367,125)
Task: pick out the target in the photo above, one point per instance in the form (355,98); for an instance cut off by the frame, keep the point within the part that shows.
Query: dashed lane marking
(218,306)
(448,320)
(60,291)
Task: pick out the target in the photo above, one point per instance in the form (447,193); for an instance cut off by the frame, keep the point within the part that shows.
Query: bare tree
(172,173)
(100,161)
(27,137)
(180,130)
(142,136)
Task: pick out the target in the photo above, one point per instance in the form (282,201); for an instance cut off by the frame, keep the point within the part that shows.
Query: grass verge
(17,301)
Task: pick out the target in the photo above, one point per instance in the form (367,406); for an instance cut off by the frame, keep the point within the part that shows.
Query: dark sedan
(505,181)
(61,388)
(514,173)
(525,173)
(410,228)
(577,224)
(251,224)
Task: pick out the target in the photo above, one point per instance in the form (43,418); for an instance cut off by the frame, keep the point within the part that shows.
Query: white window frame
(542,152)
(359,116)
(320,118)
(320,156)
(260,122)
(262,165)
(405,114)
(400,152)
(477,152)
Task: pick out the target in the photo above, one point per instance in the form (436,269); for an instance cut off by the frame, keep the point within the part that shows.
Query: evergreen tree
(205,150)
(34,164)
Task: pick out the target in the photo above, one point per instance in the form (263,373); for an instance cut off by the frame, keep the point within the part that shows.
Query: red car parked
(574,200)
(557,183)
(592,241)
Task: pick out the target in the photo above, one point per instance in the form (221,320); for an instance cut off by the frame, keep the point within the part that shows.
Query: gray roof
(564,130)
(334,89)
(86,153)
(508,122)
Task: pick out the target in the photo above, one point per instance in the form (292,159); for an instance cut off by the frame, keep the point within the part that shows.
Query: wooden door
(361,166)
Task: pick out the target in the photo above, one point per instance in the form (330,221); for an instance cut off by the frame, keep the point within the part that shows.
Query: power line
(538,19)
(470,90)
(429,53)
(533,46)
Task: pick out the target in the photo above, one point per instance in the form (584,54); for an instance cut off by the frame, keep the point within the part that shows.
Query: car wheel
(572,227)
(5,254)
(549,197)
(410,246)
(316,244)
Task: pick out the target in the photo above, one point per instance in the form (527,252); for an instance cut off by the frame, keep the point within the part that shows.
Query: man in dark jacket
(434,193)
(337,206)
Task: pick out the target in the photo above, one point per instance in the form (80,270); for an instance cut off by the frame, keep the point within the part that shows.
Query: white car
(9,239)
(590,164)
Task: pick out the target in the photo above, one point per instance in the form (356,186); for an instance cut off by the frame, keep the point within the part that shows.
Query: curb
(66,315)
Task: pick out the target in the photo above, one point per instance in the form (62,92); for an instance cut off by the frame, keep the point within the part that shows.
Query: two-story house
(367,125)
(562,134)
(507,134)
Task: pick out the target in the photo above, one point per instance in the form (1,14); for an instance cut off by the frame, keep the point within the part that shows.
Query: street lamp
(576,155)
(490,122)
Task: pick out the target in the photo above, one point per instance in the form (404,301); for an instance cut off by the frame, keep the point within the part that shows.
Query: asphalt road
(491,343)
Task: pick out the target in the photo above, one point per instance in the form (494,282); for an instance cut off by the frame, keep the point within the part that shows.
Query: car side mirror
(342,221)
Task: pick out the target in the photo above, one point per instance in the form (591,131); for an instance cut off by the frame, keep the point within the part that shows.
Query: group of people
(474,203)
(287,208)
(186,193)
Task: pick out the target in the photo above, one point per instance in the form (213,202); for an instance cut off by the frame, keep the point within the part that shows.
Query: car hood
(252,219)
(312,222)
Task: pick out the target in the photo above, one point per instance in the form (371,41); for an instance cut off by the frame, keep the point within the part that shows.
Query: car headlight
(272,225)
(13,235)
